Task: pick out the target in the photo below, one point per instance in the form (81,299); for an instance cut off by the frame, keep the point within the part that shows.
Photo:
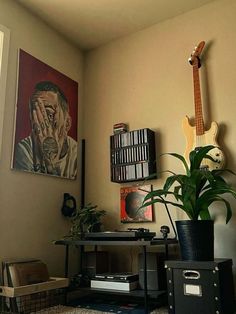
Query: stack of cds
(120,128)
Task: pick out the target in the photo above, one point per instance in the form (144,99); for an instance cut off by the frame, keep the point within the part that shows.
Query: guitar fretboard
(198,102)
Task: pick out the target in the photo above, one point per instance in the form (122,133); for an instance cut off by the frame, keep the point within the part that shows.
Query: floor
(71,310)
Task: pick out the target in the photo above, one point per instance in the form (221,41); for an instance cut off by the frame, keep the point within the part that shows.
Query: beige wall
(30,216)
(145,80)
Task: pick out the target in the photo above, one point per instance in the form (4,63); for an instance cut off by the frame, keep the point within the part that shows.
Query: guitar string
(199,122)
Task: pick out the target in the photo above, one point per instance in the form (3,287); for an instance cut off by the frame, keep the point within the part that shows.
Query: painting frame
(4,53)
(131,198)
(46,120)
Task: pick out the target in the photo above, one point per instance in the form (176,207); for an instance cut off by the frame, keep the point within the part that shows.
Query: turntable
(128,235)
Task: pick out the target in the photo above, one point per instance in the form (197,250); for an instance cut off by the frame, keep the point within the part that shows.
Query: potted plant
(194,192)
(85,219)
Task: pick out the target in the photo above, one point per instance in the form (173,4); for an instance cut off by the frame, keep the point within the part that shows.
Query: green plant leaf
(218,199)
(196,156)
(182,159)
(196,190)
(171,180)
(204,214)
(161,201)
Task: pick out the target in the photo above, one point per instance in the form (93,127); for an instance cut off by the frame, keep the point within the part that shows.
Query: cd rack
(132,155)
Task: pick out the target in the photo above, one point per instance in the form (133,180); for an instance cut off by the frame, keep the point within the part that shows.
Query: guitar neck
(199,123)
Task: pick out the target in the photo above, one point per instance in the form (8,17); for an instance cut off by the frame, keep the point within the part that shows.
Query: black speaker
(156,275)
(95,262)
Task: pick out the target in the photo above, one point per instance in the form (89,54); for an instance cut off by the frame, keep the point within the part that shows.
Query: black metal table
(140,243)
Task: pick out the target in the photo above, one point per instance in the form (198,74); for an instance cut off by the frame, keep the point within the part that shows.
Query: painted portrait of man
(46,120)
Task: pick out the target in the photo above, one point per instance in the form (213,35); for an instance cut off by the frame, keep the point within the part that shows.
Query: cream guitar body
(196,136)
(209,137)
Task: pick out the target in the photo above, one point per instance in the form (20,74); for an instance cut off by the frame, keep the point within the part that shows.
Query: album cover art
(131,199)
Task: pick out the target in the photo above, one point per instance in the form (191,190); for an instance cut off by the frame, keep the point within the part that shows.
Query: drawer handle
(191,274)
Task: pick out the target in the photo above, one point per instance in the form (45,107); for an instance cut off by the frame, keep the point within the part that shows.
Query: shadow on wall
(225,240)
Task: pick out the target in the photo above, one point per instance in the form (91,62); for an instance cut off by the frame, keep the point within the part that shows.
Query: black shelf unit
(137,293)
(132,155)
(144,244)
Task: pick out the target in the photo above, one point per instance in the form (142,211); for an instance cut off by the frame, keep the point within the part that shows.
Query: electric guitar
(197,136)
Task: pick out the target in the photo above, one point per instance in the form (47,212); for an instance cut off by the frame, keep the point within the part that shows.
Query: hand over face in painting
(50,125)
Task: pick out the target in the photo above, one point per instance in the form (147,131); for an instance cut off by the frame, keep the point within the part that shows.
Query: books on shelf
(114,285)
(23,272)
(120,277)
(7,264)
(120,128)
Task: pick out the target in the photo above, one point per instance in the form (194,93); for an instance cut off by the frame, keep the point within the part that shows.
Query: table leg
(166,251)
(66,261)
(145,278)
(66,270)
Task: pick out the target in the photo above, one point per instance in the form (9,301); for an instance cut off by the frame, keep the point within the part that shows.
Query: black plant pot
(196,239)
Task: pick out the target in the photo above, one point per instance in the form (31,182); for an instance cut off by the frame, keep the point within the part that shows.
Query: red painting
(46,120)
(131,199)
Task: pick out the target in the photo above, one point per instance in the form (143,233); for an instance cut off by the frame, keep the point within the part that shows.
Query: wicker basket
(33,298)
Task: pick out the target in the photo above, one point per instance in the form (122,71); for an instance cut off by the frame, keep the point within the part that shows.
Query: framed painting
(45,139)
(131,199)
(4,49)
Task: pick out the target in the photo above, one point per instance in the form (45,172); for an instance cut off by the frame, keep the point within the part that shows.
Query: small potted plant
(194,192)
(86,219)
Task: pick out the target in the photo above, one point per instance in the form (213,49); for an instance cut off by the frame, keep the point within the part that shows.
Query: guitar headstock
(195,56)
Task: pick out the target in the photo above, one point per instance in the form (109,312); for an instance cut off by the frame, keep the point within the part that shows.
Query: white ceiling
(91,23)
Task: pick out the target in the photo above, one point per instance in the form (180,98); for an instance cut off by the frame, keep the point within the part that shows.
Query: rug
(60,309)
(117,305)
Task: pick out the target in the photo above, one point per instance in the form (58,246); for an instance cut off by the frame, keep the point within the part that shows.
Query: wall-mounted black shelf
(132,155)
